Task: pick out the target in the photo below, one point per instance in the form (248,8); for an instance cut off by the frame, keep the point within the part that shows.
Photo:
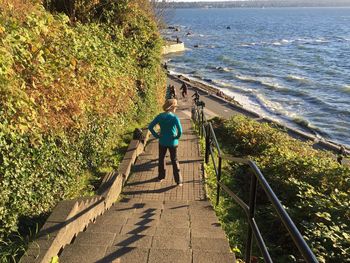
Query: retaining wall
(72,216)
(173,47)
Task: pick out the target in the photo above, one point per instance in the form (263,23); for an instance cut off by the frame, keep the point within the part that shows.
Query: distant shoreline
(257,4)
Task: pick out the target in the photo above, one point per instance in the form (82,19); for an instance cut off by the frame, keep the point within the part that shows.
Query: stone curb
(173,47)
(73,216)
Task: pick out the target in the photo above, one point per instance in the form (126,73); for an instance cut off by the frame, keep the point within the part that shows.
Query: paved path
(157,222)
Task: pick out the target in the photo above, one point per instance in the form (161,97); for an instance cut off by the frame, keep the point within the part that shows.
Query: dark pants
(174,162)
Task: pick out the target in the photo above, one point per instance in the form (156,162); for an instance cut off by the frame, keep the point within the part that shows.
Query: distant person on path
(196,97)
(177,40)
(172,92)
(168,93)
(169,135)
(184,90)
(341,154)
(165,66)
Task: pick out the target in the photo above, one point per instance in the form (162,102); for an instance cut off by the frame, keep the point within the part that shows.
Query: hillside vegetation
(312,186)
(71,86)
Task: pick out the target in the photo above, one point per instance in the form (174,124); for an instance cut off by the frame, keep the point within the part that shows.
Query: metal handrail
(206,130)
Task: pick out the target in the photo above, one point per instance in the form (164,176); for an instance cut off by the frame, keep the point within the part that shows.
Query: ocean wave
(297,79)
(247,78)
(280,42)
(229,60)
(197,76)
(247,44)
(232,88)
(267,82)
(277,43)
(274,42)
(223,69)
(277,109)
(218,68)
(346,88)
(271,84)
(211,46)
(312,41)
(311,127)
(269,106)
(221,83)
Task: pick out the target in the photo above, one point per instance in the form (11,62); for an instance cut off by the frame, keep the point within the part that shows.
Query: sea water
(289,64)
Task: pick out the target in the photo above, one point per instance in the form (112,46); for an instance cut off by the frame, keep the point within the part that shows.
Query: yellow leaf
(73,62)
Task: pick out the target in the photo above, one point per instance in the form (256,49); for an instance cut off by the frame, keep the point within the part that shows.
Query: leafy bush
(68,95)
(311,185)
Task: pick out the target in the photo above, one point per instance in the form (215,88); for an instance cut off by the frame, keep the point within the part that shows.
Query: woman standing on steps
(169,135)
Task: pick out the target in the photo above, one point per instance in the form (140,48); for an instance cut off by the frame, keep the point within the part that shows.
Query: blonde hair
(170,104)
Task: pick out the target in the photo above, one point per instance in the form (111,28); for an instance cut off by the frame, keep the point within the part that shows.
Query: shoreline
(319,142)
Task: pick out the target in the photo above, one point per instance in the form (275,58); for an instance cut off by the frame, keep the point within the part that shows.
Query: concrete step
(155,255)
(124,254)
(75,253)
(152,231)
(202,256)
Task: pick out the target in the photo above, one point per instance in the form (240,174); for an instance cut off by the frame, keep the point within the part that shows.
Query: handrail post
(207,144)
(218,180)
(202,122)
(252,203)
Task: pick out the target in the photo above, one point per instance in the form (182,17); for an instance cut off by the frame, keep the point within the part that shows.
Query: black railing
(206,130)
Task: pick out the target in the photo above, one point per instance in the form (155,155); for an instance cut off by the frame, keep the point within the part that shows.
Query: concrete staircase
(157,221)
(152,231)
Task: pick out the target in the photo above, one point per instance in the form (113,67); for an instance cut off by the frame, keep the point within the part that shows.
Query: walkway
(157,222)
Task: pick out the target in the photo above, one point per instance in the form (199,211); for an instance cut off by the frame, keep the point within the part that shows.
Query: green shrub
(311,185)
(69,94)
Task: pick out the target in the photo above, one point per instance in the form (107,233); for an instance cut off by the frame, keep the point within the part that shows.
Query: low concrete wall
(174,47)
(73,216)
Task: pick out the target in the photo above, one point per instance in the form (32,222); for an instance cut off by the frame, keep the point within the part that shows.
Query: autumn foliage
(69,89)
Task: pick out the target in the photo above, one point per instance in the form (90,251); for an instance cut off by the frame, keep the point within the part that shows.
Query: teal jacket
(170,129)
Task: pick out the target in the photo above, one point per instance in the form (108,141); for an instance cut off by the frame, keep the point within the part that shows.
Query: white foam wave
(267,82)
(307,40)
(245,78)
(286,41)
(275,108)
(297,78)
(221,83)
(223,69)
(271,84)
(280,42)
(248,44)
(346,88)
